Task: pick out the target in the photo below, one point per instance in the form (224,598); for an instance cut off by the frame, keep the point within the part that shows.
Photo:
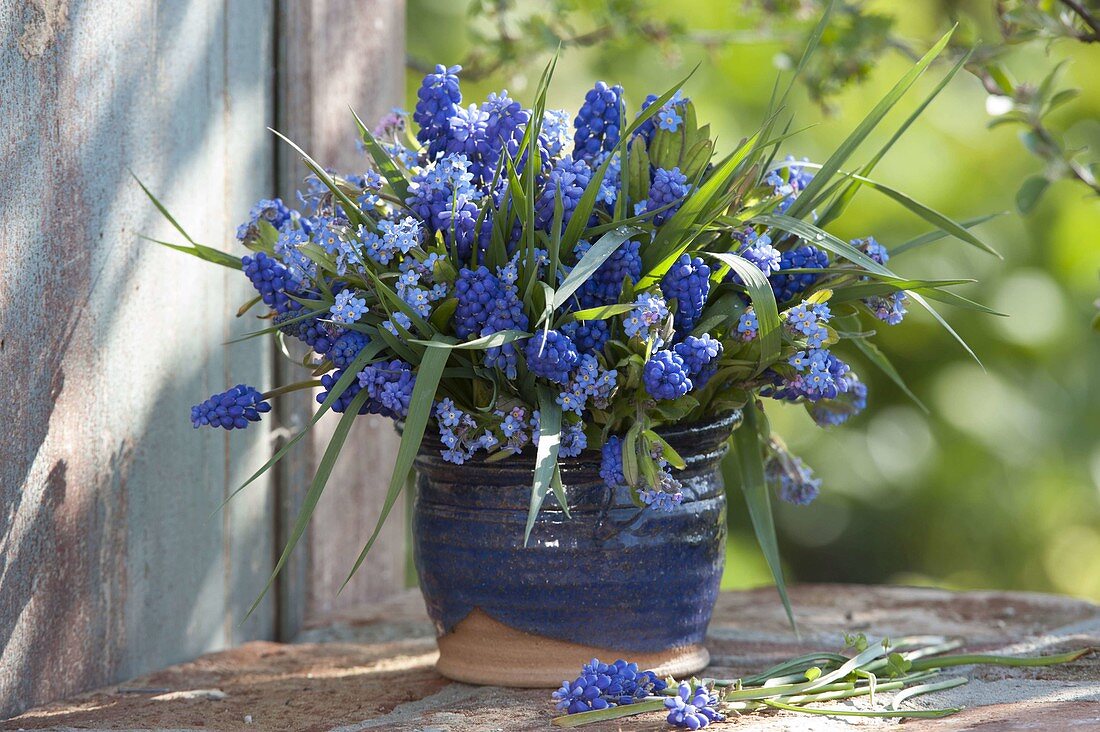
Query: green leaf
(602,715)
(1030,192)
(350,208)
(313,495)
(604,247)
(350,374)
(929,214)
(603,312)
(763,303)
(163,210)
(207,254)
(389,169)
(934,236)
(546,458)
(808,199)
(420,409)
(478,344)
(754,485)
(838,204)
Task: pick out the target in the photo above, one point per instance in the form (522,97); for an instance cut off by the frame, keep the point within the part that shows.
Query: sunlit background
(999,485)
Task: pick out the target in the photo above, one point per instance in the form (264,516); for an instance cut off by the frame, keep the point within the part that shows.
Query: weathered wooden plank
(335,54)
(108,563)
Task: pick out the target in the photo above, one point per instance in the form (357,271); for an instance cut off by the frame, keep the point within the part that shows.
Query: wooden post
(336,54)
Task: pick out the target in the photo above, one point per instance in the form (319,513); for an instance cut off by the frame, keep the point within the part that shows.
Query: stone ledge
(373,670)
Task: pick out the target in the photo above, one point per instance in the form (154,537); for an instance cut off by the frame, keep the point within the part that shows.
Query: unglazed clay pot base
(480,650)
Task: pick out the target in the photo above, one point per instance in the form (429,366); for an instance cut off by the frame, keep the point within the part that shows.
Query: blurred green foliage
(999,486)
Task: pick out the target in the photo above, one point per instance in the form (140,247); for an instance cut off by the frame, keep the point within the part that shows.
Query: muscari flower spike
(233,409)
(693,708)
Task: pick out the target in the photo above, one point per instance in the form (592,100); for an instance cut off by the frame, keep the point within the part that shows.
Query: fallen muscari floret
(693,708)
(233,409)
(604,685)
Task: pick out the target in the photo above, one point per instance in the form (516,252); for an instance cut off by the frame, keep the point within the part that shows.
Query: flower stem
(296,386)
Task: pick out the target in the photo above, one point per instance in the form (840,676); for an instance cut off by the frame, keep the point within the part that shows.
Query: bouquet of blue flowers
(527,282)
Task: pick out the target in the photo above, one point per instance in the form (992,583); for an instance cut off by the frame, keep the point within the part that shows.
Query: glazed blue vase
(611,581)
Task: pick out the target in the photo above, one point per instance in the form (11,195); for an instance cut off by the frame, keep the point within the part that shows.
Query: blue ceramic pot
(612,581)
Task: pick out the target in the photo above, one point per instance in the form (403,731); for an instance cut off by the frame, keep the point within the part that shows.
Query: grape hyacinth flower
(786,287)
(693,709)
(606,283)
(699,355)
(568,179)
(555,131)
(347,348)
(551,355)
(611,463)
(272,280)
(598,121)
(667,187)
(231,409)
(666,376)
(437,102)
(604,685)
(589,336)
(687,282)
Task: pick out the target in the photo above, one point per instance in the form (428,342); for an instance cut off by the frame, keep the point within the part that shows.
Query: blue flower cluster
(665,376)
(793,479)
(851,400)
(272,280)
(807,321)
(611,463)
(693,708)
(889,308)
(787,286)
(606,283)
(598,121)
(666,192)
(699,355)
(551,355)
(273,211)
(567,180)
(688,283)
(232,409)
(604,685)
(487,305)
(437,101)
(390,386)
(788,186)
(668,117)
(589,382)
(646,321)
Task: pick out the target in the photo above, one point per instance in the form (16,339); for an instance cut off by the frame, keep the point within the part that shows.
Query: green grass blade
(478,344)
(207,254)
(763,303)
(946,326)
(420,409)
(921,689)
(602,715)
(746,440)
(350,374)
(929,214)
(808,199)
(836,712)
(389,169)
(879,359)
(350,208)
(978,659)
(546,459)
(316,488)
(934,236)
(838,204)
(163,211)
(604,247)
(823,239)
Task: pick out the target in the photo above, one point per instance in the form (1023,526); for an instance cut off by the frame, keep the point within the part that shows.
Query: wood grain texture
(109,564)
(336,54)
